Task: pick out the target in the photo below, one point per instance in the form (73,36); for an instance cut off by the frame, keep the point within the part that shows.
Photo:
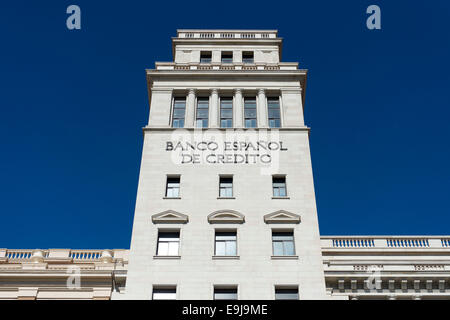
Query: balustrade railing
(19,254)
(408,242)
(227,35)
(85,254)
(390,242)
(353,243)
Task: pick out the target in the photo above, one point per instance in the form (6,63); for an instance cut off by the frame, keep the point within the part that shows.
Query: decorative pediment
(226,216)
(282,216)
(170,216)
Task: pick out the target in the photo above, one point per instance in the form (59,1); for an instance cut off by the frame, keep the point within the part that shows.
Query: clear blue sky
(73,104)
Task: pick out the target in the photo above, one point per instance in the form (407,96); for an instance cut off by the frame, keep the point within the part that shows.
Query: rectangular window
(225,243)
(173,187)
(226,112)
(225,293)
(227,57)
(168,243)
(247,57)
(205,57)
(250,112)
(286,294)
(273,105)
(279,186)
(226,187)
(164,294)
(179,109)
(283,243)
(202,112)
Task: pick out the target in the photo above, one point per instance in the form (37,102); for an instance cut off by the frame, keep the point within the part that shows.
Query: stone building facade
(225,205)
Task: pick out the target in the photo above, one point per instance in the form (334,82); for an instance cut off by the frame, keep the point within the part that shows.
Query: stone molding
(170,216)
(226,216)
(282,216)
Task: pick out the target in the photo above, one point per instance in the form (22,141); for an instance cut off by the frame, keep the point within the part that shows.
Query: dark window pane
(205,57)
(226,123)
(247,57)
(227,57)
(274,113)
(286,294)
(274,123)
(279,179)
(178,113)
(202,113)
(250,113)
(250,123)
(225,294)
(164,294)
(284,236)
(226,113)
(178,123)
(225,235)
(174,236)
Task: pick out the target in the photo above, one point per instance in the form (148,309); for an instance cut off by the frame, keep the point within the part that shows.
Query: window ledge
(167,257)
(280,197)
(171,197)
(225,257)
(226,198)
(284,257)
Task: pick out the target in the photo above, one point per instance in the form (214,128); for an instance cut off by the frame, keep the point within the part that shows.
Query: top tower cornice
(226,34)
(226,37)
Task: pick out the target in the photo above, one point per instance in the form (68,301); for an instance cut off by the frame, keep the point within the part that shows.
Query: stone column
(238,112)
(214,109)
(190,110)
(262,109)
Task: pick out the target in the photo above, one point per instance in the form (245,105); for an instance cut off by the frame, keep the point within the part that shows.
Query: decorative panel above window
(226,216)
(282,216)
(170,216)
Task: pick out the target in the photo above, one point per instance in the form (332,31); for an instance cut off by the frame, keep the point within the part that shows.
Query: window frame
(269,98)
(252,61)
(222,53)
(164,288)
(227,98)
(209,60)
(256,112)
(225,288)
(220,186)
(279,188)
(278,232)
(166,191)
(158,242)
(197,113)
(286,288)
(174,100)
(225,231)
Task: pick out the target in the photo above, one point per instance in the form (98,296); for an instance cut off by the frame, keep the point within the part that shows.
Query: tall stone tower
(225,206)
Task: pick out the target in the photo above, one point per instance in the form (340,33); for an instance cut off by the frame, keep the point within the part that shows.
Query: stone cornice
(148,128)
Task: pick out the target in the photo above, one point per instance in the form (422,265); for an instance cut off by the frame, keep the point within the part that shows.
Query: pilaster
(190,109)
(214,109)
(262,109)
(238,110)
